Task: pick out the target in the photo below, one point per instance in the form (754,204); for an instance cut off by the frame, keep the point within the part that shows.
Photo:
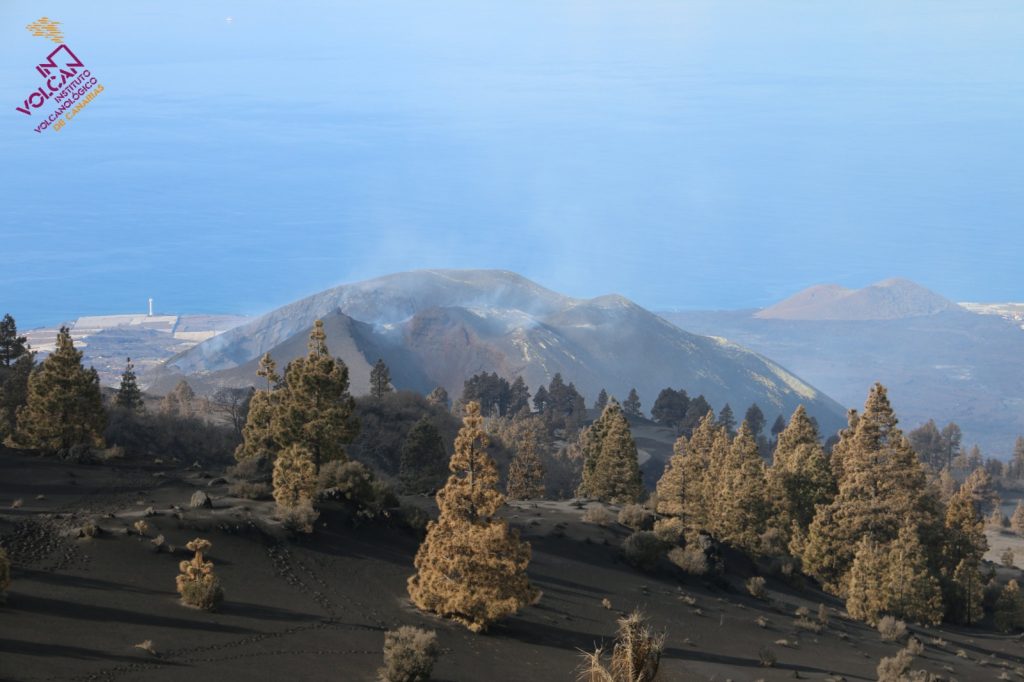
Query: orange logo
(46,28)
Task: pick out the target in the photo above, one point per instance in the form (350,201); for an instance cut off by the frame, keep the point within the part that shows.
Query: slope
(440,327)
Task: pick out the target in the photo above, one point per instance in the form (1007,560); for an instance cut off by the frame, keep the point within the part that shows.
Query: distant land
(961,363)
(943,360)
(891,299)
(106,341)
(1011,312)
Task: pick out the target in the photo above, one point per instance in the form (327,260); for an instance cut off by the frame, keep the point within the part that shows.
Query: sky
(719,154)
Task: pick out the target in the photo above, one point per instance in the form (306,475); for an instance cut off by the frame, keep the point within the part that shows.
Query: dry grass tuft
(891,630)
(915,647)
(635,656)
(147,646)
(598,515)
(409,655)
(691,560)
(635,516)
(756,587)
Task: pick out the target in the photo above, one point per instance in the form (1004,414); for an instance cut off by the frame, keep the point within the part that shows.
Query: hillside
(439,327)
(938,361)
(321,604)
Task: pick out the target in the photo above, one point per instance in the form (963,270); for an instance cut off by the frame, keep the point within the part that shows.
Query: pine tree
(178,403)
(12,345)
(1016,465)
(968,593)
(682,487)
(267,370)
(14,393)
(755,420)
(632,404)
(423,462)
(799,479)
(964,536)
(526,471)
(258,433)
(947,484)
(518,397)
(602,401)
(64,407)
(1009,611)
(866,588)
(742,511)
(695,410)
(963,546)
(982,490)
(910,591)
(588,445)
(540,400)
(313,407)
(380,380)
(128,395)
(611,472)
(928,443)
(1017,520)
(294,477)
(951,439)
(439,397)
(562,405)
(471,567)
(671,406)
(881,488)
(672,487)
(727,420)
(778,426)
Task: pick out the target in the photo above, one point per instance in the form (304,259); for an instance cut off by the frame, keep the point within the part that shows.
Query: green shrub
(643,549)
(154,434)
(298,518)
(413,517)
(635,516)
(1009,608)
(253,470)
(891,630)
(598,515)
(249,490)
(670,530)
(691,560)
(409,655)
(354,483)
(345,480)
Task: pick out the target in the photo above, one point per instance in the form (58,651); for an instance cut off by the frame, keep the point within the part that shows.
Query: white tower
(151,307)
